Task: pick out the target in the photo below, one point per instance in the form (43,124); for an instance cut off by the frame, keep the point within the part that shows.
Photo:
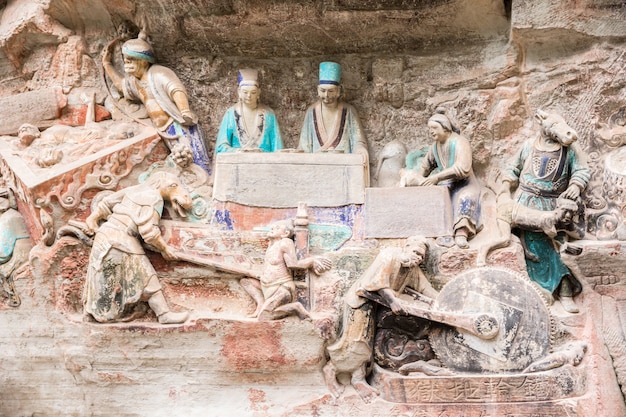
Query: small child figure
(275,292)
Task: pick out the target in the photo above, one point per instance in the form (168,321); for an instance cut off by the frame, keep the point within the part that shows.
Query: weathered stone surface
(404,212)
(281,180)
(39,108)
(492,62)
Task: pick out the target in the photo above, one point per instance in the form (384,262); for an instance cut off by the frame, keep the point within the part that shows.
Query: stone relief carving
(120,274)
(162,93)
(548,172)
(384,280)
(409,333)
(331,125)
(15,245)
(449,162)
(274,292)
(248,125)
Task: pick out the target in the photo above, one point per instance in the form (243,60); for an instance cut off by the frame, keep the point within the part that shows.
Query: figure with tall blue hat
(249,125)
(331,125)
(162,93)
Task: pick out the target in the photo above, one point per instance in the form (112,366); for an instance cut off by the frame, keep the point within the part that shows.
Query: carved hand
(321,264)
(432,180)
(190,117)
(168,254)
(396,307)
(106,54)
(572,192)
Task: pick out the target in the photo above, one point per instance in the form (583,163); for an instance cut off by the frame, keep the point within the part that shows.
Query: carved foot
(173,318)
(569,305)
(461,241)
(425,368)
(365,390)
(330,377)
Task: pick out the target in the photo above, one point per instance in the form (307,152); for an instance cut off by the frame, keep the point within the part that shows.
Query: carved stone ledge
(517,390)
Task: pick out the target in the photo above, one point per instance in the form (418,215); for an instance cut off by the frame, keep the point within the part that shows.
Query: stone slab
(282,180)
(403,212)
(37,107)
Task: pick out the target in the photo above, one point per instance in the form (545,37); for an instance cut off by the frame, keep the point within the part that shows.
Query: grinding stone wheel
(523,318)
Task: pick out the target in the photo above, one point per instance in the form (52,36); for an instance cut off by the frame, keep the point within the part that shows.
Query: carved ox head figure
(554,128)
(172,190)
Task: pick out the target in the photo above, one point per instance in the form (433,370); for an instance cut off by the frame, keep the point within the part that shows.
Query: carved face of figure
(135,67)
(412,256)
(329,94)
(279,230)
(172,190)
(438,132)
(28,133)
(249,95)
(555,128)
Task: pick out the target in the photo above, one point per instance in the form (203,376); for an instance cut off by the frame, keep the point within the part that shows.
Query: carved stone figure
(331,125)
(571,354)
(566,217)
(62,143)
(248,125)
(449,163)
(162,93)
(546,169)
(120,273)
(392,271)
(275,291)
(15,244)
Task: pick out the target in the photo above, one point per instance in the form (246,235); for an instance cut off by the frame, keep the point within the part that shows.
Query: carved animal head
(554,127)
(172,190)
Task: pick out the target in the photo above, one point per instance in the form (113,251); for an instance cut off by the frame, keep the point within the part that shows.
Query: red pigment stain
(254,346)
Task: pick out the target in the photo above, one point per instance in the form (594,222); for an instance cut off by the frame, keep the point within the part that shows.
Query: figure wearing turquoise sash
(15,244)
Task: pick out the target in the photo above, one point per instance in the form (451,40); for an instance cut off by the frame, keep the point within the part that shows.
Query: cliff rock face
(491,64)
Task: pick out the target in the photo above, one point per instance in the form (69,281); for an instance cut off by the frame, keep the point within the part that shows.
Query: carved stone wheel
(523,318)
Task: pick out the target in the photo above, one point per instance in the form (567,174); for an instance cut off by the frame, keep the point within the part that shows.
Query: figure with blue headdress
(162,93)
(331,125)
(248,125)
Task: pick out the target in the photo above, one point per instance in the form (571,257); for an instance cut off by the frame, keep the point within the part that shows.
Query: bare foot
(569,305)
(365,390)
(330,377)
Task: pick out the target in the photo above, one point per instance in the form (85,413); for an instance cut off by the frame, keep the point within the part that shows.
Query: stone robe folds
(346,135)
(354,347)
(233,134)
(119,273)
(542,177)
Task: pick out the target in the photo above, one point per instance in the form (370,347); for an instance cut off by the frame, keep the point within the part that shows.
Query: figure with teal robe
(544,170)
(330,124)
(448,162)
(248,125)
